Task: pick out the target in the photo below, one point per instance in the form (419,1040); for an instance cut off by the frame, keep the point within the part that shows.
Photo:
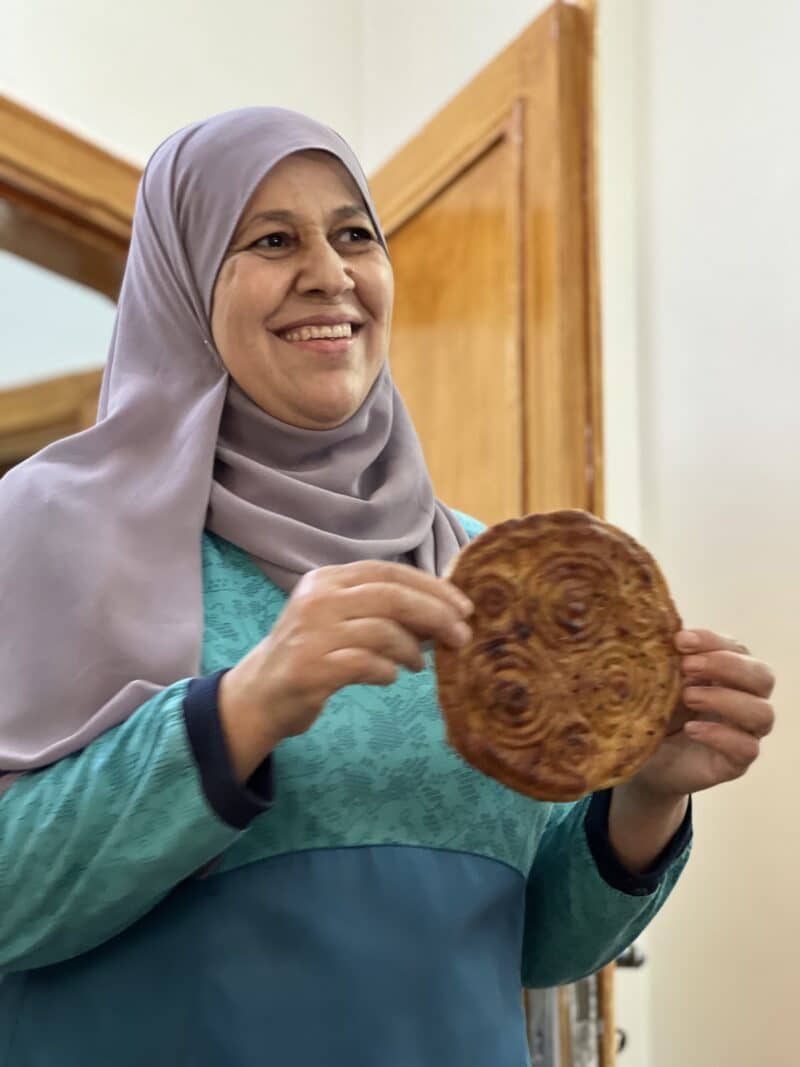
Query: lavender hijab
(100,541)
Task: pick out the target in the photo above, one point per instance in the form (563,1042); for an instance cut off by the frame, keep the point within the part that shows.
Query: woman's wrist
(641,823)
(250,733)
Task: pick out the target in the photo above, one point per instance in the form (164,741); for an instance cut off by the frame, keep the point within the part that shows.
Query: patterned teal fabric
(92,843)
(568,904)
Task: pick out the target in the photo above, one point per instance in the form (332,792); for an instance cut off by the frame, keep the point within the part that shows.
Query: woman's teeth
(311,333)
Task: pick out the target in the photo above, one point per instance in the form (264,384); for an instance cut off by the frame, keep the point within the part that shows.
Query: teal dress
(366,898)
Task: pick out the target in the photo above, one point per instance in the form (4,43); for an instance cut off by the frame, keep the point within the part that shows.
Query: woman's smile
(334,336)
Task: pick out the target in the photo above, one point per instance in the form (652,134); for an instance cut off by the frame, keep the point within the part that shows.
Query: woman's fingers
(359,666)
(743,710)
(733,669)
(713,658)
(344,625)
(737,747)
(424,614)
(381,572)
(384,637)
(707,641)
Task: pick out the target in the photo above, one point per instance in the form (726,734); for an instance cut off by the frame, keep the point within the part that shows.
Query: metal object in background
(632,957)
(543,1027)
(584,1022)
(564,1025)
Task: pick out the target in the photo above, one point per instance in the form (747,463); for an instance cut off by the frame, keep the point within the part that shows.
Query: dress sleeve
(582,906)
(92,843)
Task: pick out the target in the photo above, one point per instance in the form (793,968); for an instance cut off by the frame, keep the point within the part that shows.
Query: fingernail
(460,598)
(466,605)
(695,727)
(686,640)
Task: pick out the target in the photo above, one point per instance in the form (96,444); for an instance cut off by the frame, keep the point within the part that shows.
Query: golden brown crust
(571,677)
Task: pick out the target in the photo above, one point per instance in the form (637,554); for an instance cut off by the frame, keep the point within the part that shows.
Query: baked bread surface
(572,676)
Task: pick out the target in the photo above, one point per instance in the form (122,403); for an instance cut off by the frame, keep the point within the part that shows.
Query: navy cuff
(235,804)
(611,869)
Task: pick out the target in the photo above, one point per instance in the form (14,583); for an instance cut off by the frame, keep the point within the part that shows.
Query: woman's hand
(713,737)
(342,625)
(724,712)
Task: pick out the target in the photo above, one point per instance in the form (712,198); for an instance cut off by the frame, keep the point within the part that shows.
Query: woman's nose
(324,270)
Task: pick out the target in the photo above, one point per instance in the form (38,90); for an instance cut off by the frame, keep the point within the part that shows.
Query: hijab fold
(100,543)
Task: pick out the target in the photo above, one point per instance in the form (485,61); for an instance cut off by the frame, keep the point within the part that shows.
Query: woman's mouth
(335,339)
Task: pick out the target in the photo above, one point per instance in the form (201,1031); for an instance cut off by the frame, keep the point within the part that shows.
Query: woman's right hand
(342,625)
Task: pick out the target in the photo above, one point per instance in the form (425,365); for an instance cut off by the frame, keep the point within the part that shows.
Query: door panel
(456,355)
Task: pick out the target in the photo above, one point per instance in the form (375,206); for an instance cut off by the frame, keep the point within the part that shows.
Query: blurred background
(697,178)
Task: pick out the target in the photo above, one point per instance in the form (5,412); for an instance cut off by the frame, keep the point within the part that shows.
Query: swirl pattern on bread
(571,677)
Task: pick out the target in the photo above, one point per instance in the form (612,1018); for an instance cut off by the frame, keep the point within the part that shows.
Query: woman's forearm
(91,843)
(641,824)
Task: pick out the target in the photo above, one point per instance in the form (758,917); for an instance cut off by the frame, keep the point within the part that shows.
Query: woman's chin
(328,413)
(330,406)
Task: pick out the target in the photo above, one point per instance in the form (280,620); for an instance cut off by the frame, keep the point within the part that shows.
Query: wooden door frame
(32,416)
(66,205)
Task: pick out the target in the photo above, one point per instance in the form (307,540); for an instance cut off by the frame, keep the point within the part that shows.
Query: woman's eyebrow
(279,215)
(263,216)
(347,211)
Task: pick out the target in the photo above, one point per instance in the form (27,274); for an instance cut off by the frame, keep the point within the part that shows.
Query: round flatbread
(571,677)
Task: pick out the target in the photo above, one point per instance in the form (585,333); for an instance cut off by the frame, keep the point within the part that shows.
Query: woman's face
(302,303)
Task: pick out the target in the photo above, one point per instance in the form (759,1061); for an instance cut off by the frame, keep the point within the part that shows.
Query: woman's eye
(357,235)
(273,240)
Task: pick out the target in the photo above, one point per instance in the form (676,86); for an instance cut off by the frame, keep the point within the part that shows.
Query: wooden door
(489,213)
(457,334)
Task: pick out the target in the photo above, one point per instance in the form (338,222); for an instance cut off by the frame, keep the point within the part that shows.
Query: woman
(231,830)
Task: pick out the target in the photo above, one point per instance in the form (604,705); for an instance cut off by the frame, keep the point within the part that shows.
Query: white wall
(128,75)
(720,319)
(619,121)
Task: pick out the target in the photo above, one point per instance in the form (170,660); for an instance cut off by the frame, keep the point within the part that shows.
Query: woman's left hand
(724,712)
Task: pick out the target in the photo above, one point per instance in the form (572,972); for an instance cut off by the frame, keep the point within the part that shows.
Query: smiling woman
(215,606)
(301,314)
